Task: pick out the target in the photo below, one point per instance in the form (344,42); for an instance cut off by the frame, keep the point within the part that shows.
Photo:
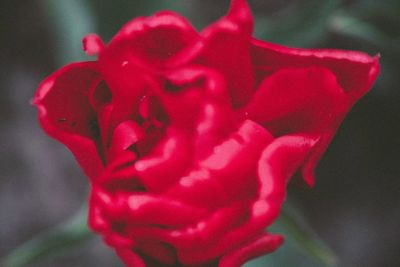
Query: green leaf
(302,246)
(51,243)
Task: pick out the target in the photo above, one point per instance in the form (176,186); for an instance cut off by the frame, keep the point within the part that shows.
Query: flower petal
(148,209)
(125,135)
(130,258)
(225,47)
(157,253)
(129,61)
(92,44)
(151,40)
(66,114)
(228,169)
(262,245)
(232,163)
(355,71)
(196,97)
(278,162)
(165,164)
(240,14)
(301,100)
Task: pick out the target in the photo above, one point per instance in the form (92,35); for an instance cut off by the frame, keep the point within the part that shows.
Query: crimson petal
(355,71)
(130,258)
(151,40)
(262,245)
(225,46)
(301,100)
(66,114)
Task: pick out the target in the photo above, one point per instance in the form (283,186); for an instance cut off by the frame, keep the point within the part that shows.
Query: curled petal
(232,162)
(128,62)
(273,174)
(209,80)
(310,164)
(228,169)
(240,14)
(277,164)
(299,100)
(125,135)
(302,100)
(99,94)
(214,124)
(205,232)
(155,210)
(92,44)
(199,189)
(197,97)
(117,240)
(355,71)
(130,258)
(96,218)
(158,254)
(66,114)
(104,120)
(181,108)
(127,86)
(198,243)
(262,245)
(228,36)
(165,164)
(118,168)
(151,40)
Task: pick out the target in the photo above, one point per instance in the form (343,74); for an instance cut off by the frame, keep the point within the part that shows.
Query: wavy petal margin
(66,114)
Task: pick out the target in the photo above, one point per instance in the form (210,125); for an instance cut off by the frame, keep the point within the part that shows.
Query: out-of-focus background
(355,205)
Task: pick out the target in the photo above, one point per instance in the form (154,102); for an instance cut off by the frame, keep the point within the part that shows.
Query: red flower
(190,139)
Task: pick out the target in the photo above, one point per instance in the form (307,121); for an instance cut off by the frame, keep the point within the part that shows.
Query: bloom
(189,139)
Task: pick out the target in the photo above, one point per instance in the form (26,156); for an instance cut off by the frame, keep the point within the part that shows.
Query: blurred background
(355,205)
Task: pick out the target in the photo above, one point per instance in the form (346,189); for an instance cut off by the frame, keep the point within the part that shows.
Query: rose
(190,139)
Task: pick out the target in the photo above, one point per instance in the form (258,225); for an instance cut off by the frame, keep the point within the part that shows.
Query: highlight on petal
(66,114)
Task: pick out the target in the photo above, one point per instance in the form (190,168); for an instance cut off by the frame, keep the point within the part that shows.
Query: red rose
(190,139)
